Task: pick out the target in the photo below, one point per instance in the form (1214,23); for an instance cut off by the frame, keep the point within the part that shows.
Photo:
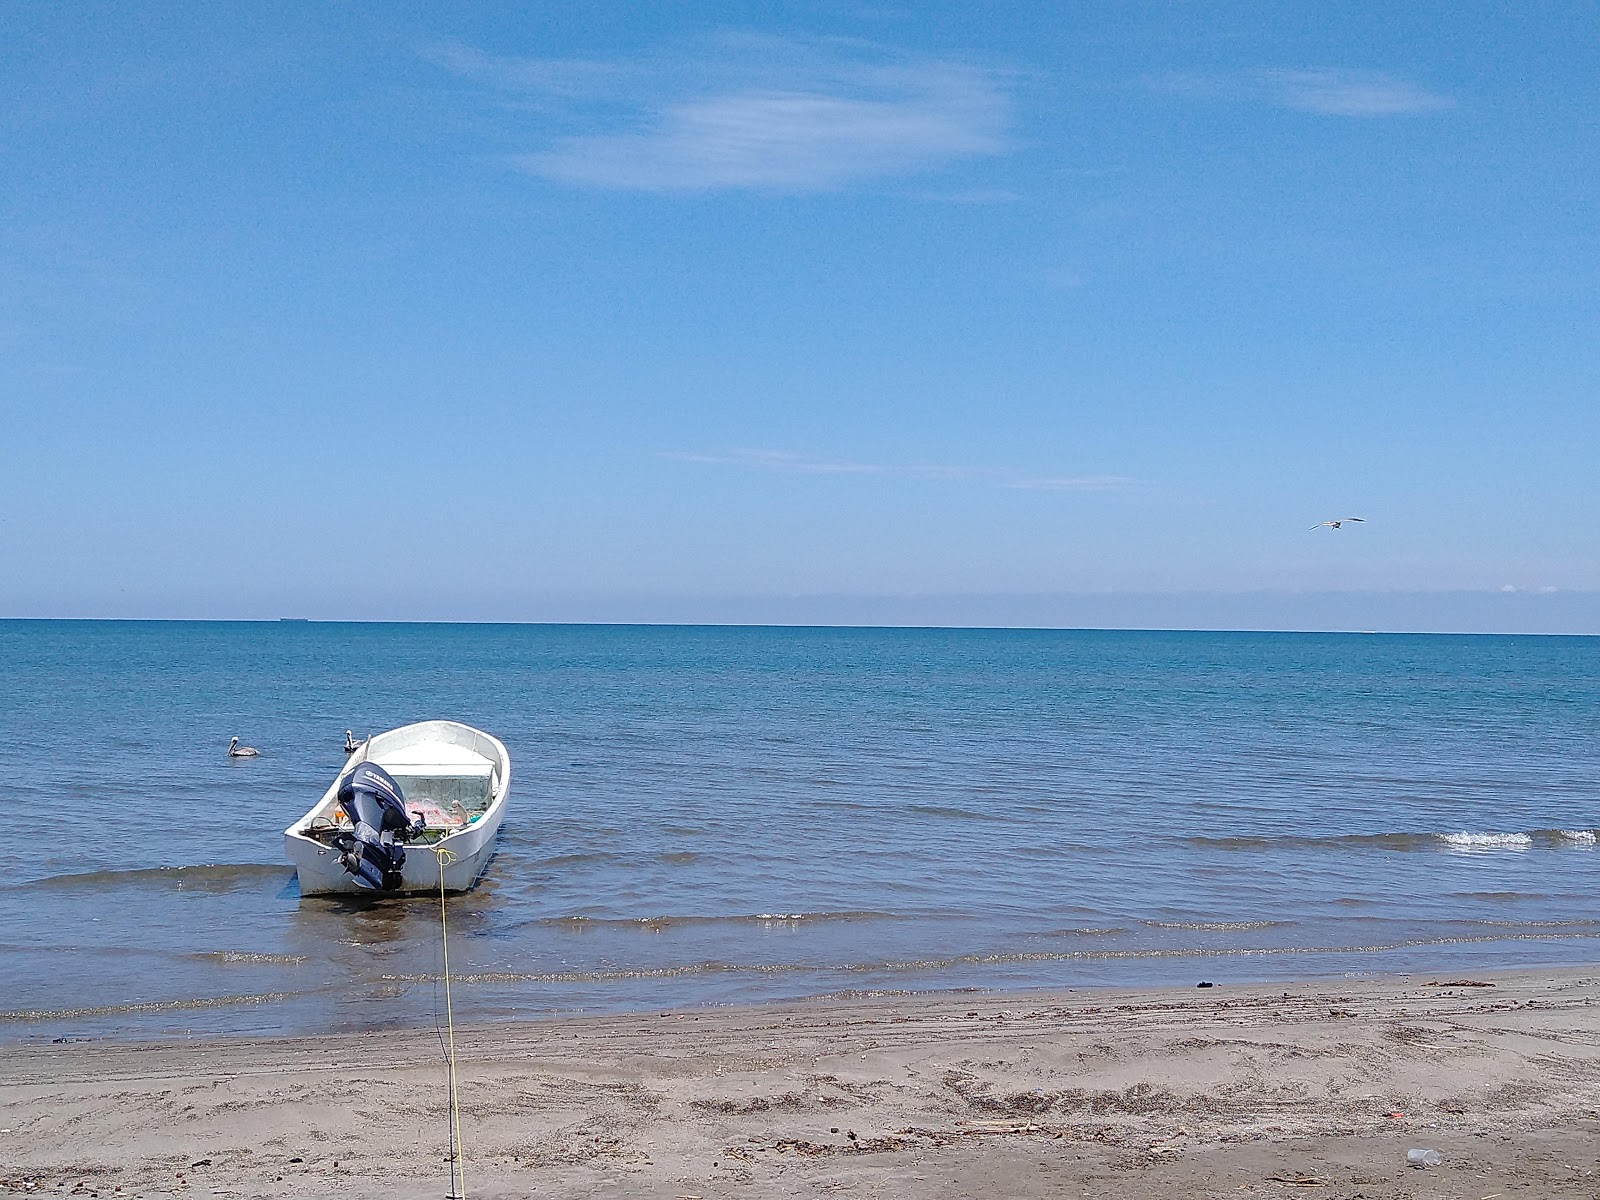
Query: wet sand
(1317,1089)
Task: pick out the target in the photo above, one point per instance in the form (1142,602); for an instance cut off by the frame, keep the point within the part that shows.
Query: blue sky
(808,311)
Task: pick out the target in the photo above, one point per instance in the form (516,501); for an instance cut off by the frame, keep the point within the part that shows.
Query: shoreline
(1110,1092)
(55,1025)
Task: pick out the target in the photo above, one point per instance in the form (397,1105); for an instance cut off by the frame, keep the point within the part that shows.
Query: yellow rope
(458,1169)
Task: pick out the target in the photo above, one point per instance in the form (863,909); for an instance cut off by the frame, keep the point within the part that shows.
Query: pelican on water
(350,743)
(237,751)
(1336,524)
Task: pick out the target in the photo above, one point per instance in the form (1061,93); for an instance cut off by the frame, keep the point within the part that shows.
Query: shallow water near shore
(727,815)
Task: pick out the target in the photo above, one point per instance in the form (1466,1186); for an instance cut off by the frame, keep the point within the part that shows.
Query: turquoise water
(728,815)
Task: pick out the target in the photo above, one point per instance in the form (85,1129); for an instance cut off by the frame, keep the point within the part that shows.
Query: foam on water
(1487,841)
(1401,842)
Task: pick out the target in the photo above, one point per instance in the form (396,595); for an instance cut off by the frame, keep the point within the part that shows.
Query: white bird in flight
(1336,524)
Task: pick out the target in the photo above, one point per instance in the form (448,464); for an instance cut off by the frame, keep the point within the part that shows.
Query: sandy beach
(1316,1089)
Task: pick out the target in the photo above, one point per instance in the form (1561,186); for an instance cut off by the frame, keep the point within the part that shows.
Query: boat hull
(470,851)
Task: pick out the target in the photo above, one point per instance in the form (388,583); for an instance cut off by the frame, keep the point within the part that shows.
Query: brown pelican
(237,751)
(1336,524)
(350,743)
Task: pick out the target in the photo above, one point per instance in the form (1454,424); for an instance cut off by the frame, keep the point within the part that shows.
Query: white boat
(452,780)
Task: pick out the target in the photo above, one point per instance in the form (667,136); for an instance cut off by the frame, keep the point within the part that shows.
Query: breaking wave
(1442,841)
(1488,841)
(250,958)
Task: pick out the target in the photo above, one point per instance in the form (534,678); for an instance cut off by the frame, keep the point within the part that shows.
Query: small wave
(1457,841)
(597,858)
(962,814)
(151,1006)
(210,877)
(582,859)
(1086,931)
(250,958)
(1219,926)
(1487,841)
(672,922)
(971,960)
(1376,841)
(1500,897)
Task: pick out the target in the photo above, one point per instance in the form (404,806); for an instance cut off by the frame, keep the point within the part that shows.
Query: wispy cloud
(551,78)
(1326,91)
(787,461)
(1337,93)
(1072,483)
(784,460)
(744,112)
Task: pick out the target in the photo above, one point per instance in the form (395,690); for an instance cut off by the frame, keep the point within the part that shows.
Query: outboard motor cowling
(375,852)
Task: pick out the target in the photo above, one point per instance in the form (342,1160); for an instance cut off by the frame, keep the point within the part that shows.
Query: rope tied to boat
(458,1172)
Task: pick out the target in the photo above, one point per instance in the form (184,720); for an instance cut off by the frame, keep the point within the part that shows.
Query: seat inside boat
(448,786)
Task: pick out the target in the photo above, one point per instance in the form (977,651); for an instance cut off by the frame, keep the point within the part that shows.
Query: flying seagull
(1336,524)
(237,751)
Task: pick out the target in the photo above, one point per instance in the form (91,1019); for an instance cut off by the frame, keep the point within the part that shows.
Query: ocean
(717,815)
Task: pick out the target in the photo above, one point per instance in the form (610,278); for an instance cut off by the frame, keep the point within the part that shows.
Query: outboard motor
(374,853)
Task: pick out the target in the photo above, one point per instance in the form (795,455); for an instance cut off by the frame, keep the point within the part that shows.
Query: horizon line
(777,625)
